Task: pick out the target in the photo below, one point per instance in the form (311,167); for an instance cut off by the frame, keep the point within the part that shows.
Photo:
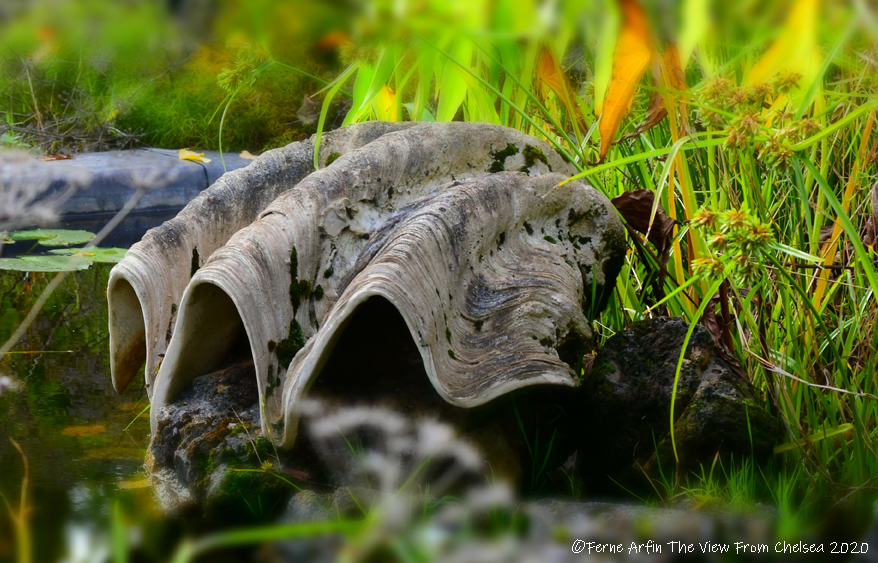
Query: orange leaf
(55,156)
(550,77)
(672,72)
(77,431)
(332,40)
(630,59)
(670,77)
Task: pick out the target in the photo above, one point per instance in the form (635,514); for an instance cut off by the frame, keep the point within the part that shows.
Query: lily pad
(45,263)
(53,237)
(95,254)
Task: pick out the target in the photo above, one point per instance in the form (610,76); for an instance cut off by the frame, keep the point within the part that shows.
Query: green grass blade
(698,314)
(860,252)
(325,109)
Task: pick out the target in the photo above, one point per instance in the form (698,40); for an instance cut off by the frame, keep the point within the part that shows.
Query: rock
(543,530)
(346,503)
(204,439)
(603,522)
(870,538)
(627,397)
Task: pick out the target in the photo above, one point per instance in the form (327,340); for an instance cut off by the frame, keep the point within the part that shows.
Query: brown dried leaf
(826,233)
(714,323)
(309,111)
(635,206)
(587,364)
(55,156)
(656,112)
(297,473)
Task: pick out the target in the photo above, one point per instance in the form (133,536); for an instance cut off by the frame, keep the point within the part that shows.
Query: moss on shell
(499,163)
(290,346)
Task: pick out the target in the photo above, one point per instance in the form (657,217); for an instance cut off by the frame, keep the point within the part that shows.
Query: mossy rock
(627,410)
(250,494)
(209,444)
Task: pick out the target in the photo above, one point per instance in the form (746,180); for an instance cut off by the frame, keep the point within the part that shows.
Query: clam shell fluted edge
(145,289)
(488,277)
(445,221)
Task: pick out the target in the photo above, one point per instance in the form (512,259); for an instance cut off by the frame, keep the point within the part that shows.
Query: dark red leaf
(636,207)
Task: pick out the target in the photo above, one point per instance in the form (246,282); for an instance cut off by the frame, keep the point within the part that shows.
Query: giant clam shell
(448,223)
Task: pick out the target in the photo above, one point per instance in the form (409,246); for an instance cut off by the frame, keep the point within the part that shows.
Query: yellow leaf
(794,51)
(131,485)
(247,156)
(77,431)
(383,103)
(696,21)
(630,60)
(186,154)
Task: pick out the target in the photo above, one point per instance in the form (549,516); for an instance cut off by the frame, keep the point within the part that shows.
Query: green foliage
(100,74)
(782,158)
(774,143)
(737,239)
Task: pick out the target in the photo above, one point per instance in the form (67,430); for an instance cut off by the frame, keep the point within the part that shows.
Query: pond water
(84,443)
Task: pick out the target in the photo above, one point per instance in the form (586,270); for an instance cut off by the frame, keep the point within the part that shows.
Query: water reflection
(84,452)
